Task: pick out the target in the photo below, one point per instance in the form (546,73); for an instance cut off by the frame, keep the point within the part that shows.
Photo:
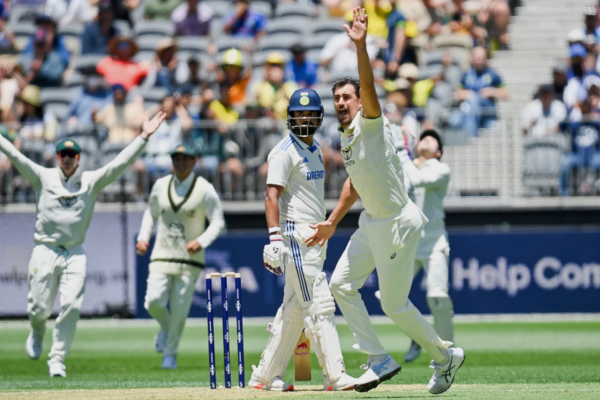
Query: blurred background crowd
(223,72)
(564,115)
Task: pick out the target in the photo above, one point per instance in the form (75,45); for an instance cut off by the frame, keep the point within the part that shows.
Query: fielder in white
(181,203)
(388,234)
(65,199)
(295,200)
(429,179)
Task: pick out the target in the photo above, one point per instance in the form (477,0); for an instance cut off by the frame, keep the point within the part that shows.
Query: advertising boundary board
(491,271)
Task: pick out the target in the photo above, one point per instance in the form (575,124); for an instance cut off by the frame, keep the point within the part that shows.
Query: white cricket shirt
(373,165)
(430,182)
(65,205)
(299,168)
(181,209)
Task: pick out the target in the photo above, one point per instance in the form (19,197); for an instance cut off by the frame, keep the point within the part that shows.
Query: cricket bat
(302,359)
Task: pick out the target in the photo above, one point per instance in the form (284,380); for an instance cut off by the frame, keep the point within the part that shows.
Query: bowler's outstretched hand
(358,32)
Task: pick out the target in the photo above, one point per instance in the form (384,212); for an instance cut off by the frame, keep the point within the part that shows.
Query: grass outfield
(504,361)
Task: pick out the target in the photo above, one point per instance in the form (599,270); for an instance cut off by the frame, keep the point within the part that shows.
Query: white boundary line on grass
(376,320)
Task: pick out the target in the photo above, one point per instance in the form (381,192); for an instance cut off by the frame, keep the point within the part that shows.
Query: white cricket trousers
(388,245)
(51,270)
(176,290)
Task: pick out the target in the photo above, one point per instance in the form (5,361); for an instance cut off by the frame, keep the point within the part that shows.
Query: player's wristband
(274,230)
(276,238)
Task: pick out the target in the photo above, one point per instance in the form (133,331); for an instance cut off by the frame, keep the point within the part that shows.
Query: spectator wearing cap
(273,93)
(44,67)
(575,91)
(93,97)
(481,87)
(36,124)
(195,77)
(55,42)
(301,70)
(192,18)
(70,11)
(119,66)
(167,72)
(543,116)
(404,123)
(591,32)
(233,73)
(217,149)
(585,148)
(122,120)
(245,22)
(338,56)
(96,35)
(559,78)
(173,130)
(160,9)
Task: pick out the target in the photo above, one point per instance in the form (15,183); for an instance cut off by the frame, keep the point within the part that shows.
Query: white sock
(378,358)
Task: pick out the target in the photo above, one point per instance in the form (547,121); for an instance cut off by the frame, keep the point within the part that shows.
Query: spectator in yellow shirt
(273,94)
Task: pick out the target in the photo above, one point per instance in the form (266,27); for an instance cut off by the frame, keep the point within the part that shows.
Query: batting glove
(275,255)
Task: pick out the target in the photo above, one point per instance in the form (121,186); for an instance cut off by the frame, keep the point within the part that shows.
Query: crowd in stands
(565,113)
(224,71)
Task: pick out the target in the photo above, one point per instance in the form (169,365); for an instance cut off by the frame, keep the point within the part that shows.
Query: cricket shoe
(56,368)
(169,362)
(444,374)
(377,372)
(277,385)
(33,345)
(346,382)
(413,353)
(160,340)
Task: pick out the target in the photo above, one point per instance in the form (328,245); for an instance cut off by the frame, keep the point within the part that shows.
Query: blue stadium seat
(294,10)
(155,28)
(262,7)
(196,44)
(287,26)
(280,42)
(219,7)
(87,60)
(329,27)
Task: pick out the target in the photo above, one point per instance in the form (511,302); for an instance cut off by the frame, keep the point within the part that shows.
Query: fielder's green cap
(184,149)
(68,144)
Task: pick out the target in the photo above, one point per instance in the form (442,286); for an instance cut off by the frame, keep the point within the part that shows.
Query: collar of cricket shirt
(298,142)
(349,134)
(174,206)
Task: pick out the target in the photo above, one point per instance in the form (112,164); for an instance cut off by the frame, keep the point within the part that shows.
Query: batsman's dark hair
(347,81)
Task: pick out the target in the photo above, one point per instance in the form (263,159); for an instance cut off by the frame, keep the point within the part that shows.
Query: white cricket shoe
(56,368)
(169,362)
(444,374)
(277,385)
(346,382)
(413,353)
(160,341)
(377,372)
(33,345)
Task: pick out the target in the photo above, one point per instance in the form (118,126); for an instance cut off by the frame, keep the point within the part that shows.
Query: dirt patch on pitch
(196,393)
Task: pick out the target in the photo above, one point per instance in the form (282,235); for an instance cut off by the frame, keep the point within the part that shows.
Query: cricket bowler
(295,200)
(65,198)
(181,203)
(429,179)
(388,234)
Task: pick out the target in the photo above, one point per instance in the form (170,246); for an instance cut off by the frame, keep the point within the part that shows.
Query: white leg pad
(285,332)
(320,328)
(442,310)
